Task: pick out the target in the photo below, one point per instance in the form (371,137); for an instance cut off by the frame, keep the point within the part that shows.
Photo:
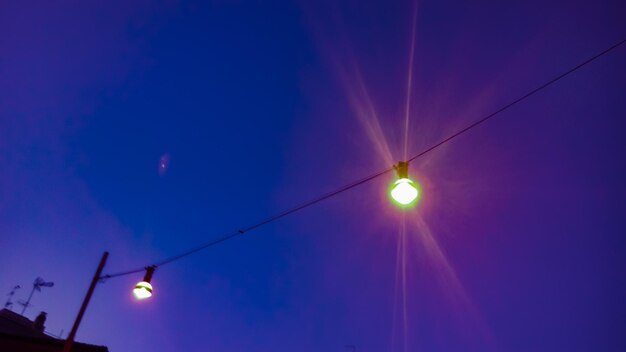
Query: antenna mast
(37,285)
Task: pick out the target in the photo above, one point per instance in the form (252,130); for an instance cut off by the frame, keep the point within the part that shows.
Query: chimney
(39,321)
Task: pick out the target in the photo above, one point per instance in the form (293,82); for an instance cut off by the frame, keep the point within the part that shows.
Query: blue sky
(516,245)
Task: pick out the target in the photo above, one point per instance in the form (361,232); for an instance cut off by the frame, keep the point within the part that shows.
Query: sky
(517,242)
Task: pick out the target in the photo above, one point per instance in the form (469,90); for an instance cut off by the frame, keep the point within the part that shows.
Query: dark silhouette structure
(19,334)
(37,285)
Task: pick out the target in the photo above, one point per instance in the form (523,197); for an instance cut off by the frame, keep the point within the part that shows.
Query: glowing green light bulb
(404,191)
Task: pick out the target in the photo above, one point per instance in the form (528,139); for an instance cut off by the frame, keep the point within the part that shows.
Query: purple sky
(516,245)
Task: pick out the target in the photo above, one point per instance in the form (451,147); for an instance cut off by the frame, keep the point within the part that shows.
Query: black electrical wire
(532,92)
(254,226)
(368,178)
(275,217)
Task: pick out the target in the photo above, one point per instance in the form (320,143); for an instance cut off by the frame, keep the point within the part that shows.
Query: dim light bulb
(142,290)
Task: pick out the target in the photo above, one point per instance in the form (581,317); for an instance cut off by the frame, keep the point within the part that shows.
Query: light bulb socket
(149,272)
(402,169)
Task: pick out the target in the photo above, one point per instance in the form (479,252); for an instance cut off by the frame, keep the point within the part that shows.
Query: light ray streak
(409,82)
(400,291)
(396,291)
(405,316)
(448,279)
(363,108)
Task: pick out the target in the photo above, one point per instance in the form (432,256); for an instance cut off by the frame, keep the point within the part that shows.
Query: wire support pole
(70,338)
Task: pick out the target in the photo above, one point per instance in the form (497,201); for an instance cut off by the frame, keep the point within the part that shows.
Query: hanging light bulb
(404,191)
(143,289)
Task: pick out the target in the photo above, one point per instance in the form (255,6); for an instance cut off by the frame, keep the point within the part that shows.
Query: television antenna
(9,304)
(37,285)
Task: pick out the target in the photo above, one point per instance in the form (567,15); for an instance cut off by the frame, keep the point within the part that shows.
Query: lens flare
(405,192)
(142,290)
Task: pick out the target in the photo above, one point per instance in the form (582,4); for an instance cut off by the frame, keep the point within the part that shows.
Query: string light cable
(366,179)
